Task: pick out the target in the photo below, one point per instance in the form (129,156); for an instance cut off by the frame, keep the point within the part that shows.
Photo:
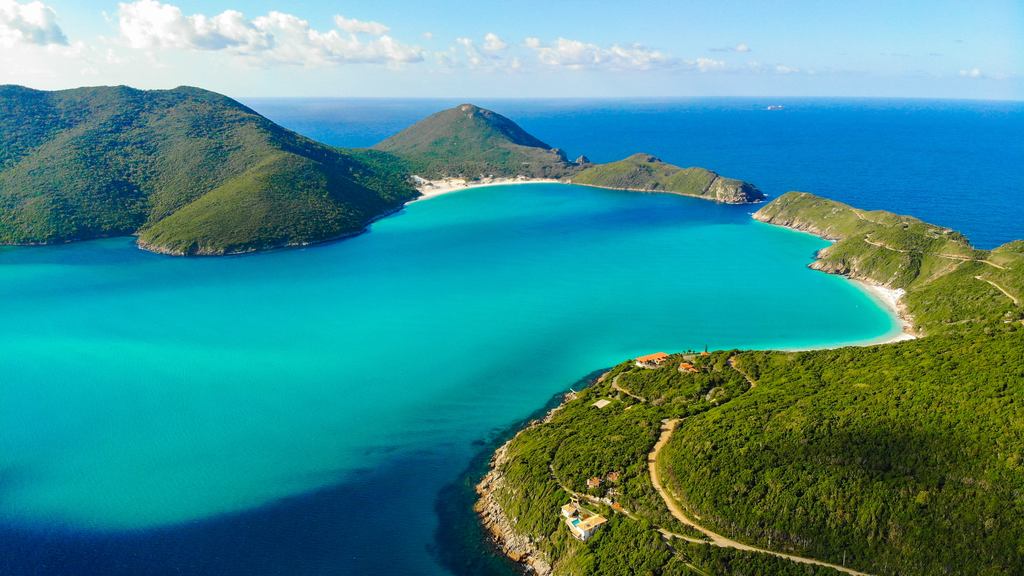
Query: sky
(522,48)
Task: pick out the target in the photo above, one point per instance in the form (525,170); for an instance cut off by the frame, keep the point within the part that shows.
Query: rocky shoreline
(520,548)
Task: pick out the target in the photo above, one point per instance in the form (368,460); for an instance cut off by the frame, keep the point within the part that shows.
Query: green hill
(948,281)
(470,142)
(646,173)
(189,171)
(896,459)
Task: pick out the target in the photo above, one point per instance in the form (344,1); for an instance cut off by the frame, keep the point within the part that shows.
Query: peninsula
(901,458)
(194,173)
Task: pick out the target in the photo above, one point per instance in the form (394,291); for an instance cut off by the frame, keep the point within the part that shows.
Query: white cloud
(354,26)
(490,55)
(972,73)
(783,69)
(428,35)
(492,43)
(576,55)
(274,38)
(29,23)
(473,56)
(708,64)
(742,48)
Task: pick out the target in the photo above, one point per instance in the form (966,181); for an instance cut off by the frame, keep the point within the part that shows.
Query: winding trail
(1016,302)
(959,257)
(751,381)
(668,427)
(617,388)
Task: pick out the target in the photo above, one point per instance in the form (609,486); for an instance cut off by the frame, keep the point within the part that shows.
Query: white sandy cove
(890,298)
(432,188)
(887,297)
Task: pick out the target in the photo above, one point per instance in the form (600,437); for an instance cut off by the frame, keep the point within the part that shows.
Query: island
(194,173)
(901,458)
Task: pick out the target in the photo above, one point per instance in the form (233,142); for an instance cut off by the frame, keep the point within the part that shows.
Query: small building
(613,476)
(594,482)
(584,528)
(651,360)
(601,403)
(687,367)
(582,523)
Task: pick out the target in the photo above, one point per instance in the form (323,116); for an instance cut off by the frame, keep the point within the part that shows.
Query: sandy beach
(433,188)
(891,299)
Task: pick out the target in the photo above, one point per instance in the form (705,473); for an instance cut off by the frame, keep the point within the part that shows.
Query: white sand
(433,188)
(890,298)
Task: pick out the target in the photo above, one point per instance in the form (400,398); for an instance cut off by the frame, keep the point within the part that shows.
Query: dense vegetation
(190,171)
(645,172)
(901,459)
(194,172)
(470,142)
(904,459)
(548,463)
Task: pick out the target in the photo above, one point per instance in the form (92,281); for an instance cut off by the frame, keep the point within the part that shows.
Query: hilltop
(189,171)
(192,172)
(904,458)
(471,142)
(647,173)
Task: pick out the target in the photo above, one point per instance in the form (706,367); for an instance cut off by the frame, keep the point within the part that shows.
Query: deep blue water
(954,163)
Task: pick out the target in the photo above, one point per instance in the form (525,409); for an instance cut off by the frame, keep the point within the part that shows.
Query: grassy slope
(905,458)
(94,162)
(468,141)
(936,266)
(645,172)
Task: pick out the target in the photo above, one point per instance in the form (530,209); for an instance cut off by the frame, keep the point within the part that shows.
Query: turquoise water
(148,400)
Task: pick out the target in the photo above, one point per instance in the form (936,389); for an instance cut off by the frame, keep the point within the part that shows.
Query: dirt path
(732,364)
(1000,288)
(880,245)
(617,388)
(667,429)
(959,257)
(969,259)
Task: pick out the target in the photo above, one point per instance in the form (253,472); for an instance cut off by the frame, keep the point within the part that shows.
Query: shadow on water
(350,528)
(463,546)
(353,527)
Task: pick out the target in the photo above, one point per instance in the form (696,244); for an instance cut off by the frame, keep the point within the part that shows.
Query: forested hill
(899,459)
(469,142)
(948,281)
(647,173)
(190,171)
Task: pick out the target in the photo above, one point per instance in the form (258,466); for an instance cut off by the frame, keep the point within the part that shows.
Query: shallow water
(301,411)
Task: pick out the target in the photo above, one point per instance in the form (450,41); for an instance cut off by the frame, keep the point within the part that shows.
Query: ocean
(953,163)
(326,410)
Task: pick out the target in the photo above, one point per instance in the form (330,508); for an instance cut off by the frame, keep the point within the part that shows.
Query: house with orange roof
(651,360)
(582,523)
(687,367)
